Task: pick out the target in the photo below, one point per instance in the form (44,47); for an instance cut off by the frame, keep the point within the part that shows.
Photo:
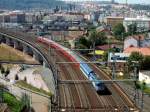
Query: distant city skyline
(120,1)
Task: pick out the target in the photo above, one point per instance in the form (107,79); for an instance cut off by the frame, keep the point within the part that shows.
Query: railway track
(79,97)
(117,92)
(96,102)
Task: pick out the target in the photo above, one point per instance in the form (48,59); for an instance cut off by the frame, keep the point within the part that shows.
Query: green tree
(97,38)
(84,41)
(135,56)
(119,31)
(132,28)
(81,46)
(101,38)
(146,63)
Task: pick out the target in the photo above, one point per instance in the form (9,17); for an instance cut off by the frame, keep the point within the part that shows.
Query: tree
(101,38)
(146,63)
(92,38)
(81,46)
(84,41)
(135,56)
(132,28)
(97,38)
(119,31)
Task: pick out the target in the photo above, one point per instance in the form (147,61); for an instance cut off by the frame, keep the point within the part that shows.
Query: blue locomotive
(89,73)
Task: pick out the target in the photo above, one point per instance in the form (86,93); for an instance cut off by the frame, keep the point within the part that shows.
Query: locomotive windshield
(92,73)
(98,84)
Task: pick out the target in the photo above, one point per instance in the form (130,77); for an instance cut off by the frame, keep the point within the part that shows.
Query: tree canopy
(118,30)
(132,28)
(146,63)
(97,38)
(137,57)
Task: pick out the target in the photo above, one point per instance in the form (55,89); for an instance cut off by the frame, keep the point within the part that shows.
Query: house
(104,30)
(144,76)
(113,21)
(137,41)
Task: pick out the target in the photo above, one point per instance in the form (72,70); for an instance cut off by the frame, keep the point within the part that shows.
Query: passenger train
(72,56)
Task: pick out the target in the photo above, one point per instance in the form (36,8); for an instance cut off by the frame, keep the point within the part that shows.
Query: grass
(7,54)
(13,104)
(145,88)
(28,86)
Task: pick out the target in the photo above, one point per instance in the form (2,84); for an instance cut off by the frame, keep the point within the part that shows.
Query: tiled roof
(105,47)
(145,51)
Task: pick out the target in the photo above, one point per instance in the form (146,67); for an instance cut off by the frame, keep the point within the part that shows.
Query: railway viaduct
(27,45)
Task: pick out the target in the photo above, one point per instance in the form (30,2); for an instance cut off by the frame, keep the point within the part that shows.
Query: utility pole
(142,97)
(122,41)
(113,66)
(136,75)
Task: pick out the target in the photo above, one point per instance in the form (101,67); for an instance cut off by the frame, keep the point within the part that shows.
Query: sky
(121,1)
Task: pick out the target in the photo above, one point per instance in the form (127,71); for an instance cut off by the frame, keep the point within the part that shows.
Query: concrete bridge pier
(25,49)
(8,41)
(39,59)
(35,56)
(3,39)
(16,44)
(20,46)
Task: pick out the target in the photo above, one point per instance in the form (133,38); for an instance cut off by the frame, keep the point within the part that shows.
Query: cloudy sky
(121,1)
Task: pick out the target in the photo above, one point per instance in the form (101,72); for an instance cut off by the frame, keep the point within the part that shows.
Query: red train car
(61,49)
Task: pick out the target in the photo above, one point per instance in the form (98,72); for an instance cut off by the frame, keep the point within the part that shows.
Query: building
(118,60)
(12,17)
(137,41)
(112,1)
(112,21)
(118,57)
(4,18)
(142,23)
(30,18)
(144,76)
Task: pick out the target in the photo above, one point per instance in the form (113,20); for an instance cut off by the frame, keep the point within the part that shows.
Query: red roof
(145,50)
(105,47)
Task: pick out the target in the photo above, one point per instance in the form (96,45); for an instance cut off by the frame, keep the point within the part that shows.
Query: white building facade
(143,23)
(145,77)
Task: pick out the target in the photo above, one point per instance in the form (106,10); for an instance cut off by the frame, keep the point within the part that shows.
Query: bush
(146,63)
(2,70)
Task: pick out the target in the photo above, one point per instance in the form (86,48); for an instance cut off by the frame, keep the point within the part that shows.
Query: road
(78,97)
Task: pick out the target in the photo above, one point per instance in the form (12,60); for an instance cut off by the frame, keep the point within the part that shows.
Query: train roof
(86,66)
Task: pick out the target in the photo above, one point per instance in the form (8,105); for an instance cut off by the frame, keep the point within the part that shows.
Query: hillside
(28,4)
